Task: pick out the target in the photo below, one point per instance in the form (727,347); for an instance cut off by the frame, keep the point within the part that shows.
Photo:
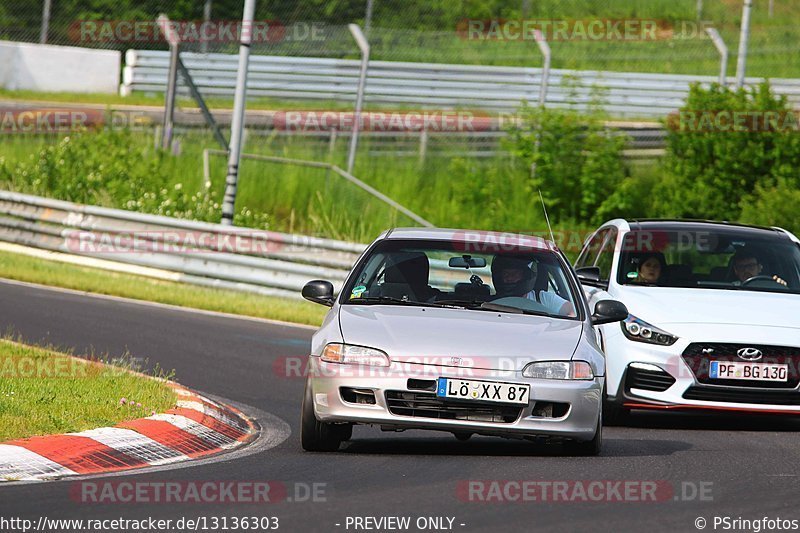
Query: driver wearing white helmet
(516,277)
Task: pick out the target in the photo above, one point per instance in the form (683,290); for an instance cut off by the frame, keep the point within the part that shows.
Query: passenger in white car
(651,267)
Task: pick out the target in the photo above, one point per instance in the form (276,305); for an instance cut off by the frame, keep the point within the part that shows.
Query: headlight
(638,330)
(354,355)
(559,370)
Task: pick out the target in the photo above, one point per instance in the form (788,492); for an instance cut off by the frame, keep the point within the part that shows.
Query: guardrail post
(363,45)
(237,121)
(716,38)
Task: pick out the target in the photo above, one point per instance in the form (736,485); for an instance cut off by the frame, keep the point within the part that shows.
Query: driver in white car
(746,265)
(516,277)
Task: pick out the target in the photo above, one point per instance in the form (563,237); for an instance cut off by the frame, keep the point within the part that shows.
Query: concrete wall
(50,68)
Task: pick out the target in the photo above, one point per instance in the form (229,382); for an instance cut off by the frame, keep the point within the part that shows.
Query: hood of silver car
(459,337)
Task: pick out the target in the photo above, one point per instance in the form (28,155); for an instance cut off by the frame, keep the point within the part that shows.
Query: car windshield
(729,258)
(451,274)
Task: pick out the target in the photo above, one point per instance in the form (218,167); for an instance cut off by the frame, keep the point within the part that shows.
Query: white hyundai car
(714,318)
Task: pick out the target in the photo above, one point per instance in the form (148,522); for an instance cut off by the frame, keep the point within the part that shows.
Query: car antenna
(547,219)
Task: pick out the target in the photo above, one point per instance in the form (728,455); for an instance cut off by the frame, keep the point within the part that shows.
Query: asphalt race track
(749,464)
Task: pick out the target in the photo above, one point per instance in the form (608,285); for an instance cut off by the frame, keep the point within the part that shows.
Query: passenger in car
(651,266)
(517,277)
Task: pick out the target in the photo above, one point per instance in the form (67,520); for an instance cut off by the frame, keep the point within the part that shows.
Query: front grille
(652,380)
(717,394)
(425,405)
(699,362)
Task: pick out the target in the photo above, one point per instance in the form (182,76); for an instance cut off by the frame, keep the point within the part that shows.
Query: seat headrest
(411,268)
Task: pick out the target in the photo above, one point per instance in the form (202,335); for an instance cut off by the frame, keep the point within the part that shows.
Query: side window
(605,258)
(590,252)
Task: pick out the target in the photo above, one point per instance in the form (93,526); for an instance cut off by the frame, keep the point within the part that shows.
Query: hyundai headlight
(559,370)
(354,355)
(638,330)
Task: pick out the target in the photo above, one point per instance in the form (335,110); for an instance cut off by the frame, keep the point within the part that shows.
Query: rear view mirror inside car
(466,261)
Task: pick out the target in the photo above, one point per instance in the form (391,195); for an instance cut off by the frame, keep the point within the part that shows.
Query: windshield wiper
(491,306)
(392,300)
(470,304)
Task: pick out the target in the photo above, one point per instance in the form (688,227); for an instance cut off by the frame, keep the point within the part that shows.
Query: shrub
(577,160)
(718,173)
(115,168)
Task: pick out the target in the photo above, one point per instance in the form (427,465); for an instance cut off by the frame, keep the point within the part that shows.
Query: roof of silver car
(470,235)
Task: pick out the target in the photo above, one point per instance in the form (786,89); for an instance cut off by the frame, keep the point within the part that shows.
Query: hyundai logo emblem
(749,354)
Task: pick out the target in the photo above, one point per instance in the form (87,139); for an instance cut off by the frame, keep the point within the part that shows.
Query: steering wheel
(760,277)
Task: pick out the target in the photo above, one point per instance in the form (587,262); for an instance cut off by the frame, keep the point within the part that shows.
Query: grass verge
(35,270)
(43,392)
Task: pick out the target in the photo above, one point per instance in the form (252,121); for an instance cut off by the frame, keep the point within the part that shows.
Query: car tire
(316,436)
(589,447)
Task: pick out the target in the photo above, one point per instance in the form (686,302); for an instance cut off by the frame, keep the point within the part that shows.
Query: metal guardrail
(429,85)
(207,254)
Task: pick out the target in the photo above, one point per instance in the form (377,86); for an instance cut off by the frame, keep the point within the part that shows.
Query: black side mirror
(590,276)
(320,292)
(607,311)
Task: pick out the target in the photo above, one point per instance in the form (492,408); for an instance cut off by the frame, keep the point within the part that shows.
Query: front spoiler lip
(710,408)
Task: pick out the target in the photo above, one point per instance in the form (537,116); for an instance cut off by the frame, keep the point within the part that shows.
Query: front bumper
(686,393)
(584,399)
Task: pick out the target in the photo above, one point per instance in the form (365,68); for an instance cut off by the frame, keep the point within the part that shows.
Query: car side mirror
(607,311)
(320,292)
(591,276)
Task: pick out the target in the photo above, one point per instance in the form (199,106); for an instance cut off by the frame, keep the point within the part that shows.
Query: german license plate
(485,391)
(749,371)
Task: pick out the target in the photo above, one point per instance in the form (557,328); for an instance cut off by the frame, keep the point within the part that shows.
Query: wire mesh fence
(470,32)
(441,31)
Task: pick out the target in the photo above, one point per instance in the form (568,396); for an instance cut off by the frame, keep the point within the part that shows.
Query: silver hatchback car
(469,332)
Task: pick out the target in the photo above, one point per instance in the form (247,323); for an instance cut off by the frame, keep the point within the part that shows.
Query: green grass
(35,270)
(447,189)
(43,392)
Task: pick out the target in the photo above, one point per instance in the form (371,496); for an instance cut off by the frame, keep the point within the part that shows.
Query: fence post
(744,36)
(237,120)
(368,17)
(541,42)
(362,80)
(45,22)
(172,80)
(206,20)
(545,49)
(423,146)
(716,38)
